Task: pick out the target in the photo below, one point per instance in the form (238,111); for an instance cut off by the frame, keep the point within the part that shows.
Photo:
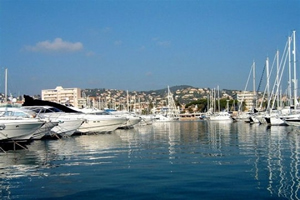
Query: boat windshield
(44,109)
(18,113)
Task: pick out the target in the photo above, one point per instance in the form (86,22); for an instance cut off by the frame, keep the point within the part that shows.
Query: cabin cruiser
(220,116)
(132,118)
(91,122)
(17,124)
(59,126)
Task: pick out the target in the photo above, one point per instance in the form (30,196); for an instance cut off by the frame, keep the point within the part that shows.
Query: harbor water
(166,160)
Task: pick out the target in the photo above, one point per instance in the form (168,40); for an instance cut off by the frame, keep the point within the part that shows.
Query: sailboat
(219,115)
(246,115)
(169,112)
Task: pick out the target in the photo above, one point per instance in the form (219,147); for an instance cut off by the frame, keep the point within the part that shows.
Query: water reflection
(269,156)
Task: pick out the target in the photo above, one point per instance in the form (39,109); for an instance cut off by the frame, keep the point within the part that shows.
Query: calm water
(178,160)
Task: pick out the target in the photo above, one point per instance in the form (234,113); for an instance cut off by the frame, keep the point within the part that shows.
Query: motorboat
(220,116)
(21,113)
(67,123)
(131,118)
(90,122)
(16,124)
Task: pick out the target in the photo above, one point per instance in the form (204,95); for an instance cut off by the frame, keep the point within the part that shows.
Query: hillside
(182,93)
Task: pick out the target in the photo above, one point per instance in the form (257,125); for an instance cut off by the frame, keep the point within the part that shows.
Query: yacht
(66,125)
(18,125)
(220,116)
(89,122)
(131,118)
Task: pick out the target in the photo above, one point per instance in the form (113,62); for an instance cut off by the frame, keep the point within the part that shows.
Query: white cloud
(56,45)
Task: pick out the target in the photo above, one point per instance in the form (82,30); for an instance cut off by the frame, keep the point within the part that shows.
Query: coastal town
(188,99)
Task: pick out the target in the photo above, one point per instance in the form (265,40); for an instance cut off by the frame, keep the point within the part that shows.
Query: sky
(140,45)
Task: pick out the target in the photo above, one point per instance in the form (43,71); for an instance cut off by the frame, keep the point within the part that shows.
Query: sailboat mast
(127,99)
(268,81)
(254,87)
(277,77)
(5,94)
(219,99)
(295,77)
(290,72)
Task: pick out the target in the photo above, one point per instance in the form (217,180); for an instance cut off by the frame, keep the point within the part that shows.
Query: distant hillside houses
(142,100)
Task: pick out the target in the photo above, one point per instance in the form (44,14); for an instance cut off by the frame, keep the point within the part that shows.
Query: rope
(261,78)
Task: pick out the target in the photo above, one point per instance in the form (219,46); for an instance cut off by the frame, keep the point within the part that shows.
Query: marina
(198,159)
(149,100)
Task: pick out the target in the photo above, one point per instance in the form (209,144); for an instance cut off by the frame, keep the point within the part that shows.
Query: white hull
(221,116)
(92,122)
(67,127)
(44,130)
(146,120)
(101,124)
(163,118)
(212,118)
(18,129)
(276,121)
(293,122)
(131,121)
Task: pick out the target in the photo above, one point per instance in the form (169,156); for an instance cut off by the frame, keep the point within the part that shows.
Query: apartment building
(249,98)
(62,95)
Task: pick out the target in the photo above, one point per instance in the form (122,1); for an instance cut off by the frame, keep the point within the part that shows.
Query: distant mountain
(165,90)
(183,93)
(97,91)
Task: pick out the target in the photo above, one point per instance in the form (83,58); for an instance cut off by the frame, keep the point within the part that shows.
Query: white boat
(51,125)
(17,125)
(243,116)
(292,119)
(131,118)
(102,121)
(147,119)
(220,116)
(169,112)
(89,122)
(66,123)
(66,127)
(18,129)
(275,118)
(214,115)
(165,118)
(45,130)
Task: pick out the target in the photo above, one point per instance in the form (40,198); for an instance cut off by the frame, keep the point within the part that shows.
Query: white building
(249,98)
(62,95)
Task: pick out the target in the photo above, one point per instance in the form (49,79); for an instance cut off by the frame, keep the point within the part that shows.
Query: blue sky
(140,45)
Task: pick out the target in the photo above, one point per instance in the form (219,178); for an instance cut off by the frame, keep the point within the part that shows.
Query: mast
(290,73)
(5,95)
(219,99)
(127,99)
(254,87)
(268,81)
(277,77)
(295,77)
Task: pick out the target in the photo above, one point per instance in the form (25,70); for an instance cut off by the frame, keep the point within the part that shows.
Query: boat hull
(101,125)
(18,129)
